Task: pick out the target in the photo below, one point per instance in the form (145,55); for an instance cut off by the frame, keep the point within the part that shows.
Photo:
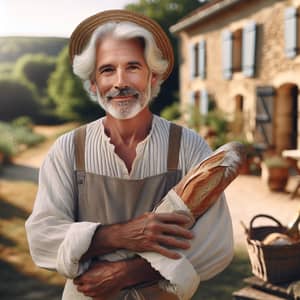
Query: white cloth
(185,282)
(56,242)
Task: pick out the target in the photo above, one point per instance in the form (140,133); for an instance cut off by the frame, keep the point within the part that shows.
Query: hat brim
(84,30)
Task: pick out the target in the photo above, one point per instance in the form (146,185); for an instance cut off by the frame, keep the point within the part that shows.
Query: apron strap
(174,146)
(79,144)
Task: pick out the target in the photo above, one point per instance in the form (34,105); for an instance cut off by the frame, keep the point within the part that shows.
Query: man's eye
(106,70)
(133,67)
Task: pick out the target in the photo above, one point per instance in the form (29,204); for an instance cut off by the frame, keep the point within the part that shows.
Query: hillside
(11,48)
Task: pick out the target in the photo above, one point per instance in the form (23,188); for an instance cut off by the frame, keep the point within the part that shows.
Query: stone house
(245,56)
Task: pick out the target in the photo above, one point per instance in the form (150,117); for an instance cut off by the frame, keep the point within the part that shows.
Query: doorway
(286,117)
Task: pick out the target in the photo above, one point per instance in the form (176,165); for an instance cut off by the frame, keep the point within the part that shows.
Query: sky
(49,17)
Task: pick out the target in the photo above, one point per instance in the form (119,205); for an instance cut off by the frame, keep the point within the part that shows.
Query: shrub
(23,121)
(14,138)
(16,99)
(276,161)
(36,69)
(68,95)
(171,112)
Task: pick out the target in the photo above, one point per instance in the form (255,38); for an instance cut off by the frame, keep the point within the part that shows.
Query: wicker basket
(269,262)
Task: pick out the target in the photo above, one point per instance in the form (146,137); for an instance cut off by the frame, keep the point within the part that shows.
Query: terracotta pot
(275,177)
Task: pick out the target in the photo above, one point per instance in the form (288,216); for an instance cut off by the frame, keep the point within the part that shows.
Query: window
(239,103)
(237,127)
(199,100)
(198,60)
(239,51)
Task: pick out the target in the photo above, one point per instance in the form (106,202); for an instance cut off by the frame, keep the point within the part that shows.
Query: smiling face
(123,80)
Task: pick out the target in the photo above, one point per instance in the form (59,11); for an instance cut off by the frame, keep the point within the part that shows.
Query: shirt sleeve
(53,236)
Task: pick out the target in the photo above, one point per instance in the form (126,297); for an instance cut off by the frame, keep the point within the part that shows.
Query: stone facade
(273,69)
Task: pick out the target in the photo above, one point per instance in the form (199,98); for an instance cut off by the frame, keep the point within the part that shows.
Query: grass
(224,284)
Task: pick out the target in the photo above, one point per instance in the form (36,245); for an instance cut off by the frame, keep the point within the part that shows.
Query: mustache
(119,92)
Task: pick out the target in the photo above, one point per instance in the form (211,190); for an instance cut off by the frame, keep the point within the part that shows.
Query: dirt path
(249,196)
(34,157)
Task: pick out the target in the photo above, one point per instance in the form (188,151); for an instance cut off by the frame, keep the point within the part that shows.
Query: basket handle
(264,216)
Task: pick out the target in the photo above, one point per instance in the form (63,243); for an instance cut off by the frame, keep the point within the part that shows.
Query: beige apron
(111,200)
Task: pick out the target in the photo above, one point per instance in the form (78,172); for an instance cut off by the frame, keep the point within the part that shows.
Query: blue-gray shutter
(291,43)
(227,54)
(202,59)
(191,102)
(192,60)
(264,116)
(204,102)
(249,49)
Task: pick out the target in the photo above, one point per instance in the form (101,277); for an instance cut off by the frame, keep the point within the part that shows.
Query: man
(98,185)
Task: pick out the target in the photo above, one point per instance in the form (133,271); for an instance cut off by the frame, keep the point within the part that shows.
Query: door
(264,136)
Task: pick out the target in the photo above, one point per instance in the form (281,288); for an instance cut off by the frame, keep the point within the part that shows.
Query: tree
(17,99)
(35,68)
(166,13)
(68,95)
(14,47)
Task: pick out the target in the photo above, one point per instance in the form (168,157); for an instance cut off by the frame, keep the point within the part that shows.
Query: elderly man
(100,183)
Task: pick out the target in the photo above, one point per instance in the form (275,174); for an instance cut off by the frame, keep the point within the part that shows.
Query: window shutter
(192,61)
(227,54)
(291,32)
(249,49)
(264,115)
(202,59)
(191,102)
(204,102)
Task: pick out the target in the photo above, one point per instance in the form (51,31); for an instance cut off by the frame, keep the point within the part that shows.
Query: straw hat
(84,30)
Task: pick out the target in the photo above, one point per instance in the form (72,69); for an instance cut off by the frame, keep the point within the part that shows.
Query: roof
(203,12)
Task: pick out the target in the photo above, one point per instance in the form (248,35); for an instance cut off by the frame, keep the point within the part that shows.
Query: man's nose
(120,79)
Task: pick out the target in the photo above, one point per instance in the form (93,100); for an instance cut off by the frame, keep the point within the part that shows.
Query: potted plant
(275,172)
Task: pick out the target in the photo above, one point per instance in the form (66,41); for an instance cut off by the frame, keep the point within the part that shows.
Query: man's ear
(154,79)
(93,87)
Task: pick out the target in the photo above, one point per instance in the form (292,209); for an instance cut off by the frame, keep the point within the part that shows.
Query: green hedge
(13,138)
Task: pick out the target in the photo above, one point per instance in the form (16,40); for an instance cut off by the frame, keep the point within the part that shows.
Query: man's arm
(103,279)
(55,240)
(149,232)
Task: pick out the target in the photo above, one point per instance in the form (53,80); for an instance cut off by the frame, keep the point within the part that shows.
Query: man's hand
(102,280)
(156,232)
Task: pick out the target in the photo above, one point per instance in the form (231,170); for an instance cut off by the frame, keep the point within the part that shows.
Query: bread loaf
(278,239)
(201,187)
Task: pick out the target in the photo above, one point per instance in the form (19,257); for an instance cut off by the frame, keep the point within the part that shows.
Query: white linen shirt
(57,242)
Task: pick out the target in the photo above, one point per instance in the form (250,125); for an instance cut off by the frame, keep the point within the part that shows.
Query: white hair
(84,64)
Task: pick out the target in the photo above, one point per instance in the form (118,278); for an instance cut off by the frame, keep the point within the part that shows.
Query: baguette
(200,188)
